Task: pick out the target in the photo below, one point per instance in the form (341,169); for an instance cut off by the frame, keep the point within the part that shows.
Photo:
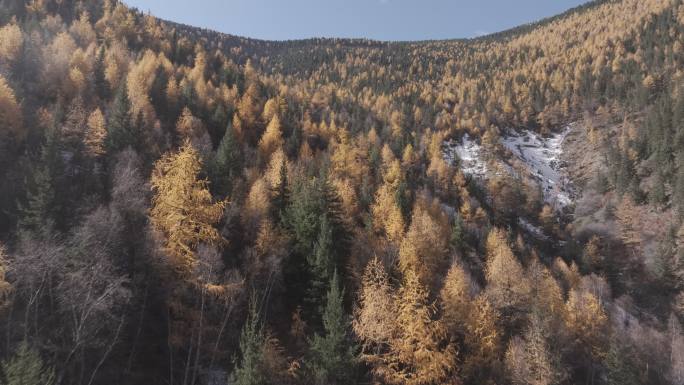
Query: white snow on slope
(532,229)
(468,154)
(542,156)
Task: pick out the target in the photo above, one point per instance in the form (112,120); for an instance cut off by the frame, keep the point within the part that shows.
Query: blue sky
(375,19)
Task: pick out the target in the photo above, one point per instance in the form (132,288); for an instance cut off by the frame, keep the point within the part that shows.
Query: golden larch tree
(482,341)
(587,321)
(82,30)
(424,248)
(569,276)
(11,43)
(375,317)
(507,287)
(257,205)
(5,287)
(188,126)
(10,113)
(457,299)
(530,359)
(387,215)
(629,219)
(96,132)
(421,354)
(272,138)
(274,106)
(546,294)
(182,206)
(139,81)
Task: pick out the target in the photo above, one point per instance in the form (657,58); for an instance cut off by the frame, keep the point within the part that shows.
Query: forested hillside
(184,207)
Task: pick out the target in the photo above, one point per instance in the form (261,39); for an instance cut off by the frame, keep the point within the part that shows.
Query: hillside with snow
(541,159)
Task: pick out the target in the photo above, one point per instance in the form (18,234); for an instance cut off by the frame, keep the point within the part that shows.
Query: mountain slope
(184,206)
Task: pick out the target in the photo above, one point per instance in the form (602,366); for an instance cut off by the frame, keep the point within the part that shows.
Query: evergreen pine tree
(226,164)
(138,133)
(249,368)
(158,93)
(321,263)
(624,175)
(332,204)
(332,359)
(119,125)
(294,141)
(99,80)
(666,260)
(457,239)
(678,193)
(38,213)
(657,195)
(27,368)
(635,191)
(309,202)
(620,368)
(403,200)
(218,121)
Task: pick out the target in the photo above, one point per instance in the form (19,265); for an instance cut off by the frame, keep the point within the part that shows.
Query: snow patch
(468,154)
(532,229)
(542,156)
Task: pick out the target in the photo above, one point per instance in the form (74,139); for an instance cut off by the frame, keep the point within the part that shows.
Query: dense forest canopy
(181,206)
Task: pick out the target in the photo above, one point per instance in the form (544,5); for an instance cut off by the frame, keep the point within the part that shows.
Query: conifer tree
(592,257)
(387,215)
(157,94)
(332,359)
(271,140)
(182,207)
(281,194)
(421,354)
(620,367)
(423,249)
(294,140)
(11,43)
(375,316)
(456,299)
(586,321)
(303,215)
(507,287)
(657,194)
(529,360)
(120,126)
(26,367)
(96,134)
(226,164)
(249,368)
(457,238)
(666,260)
(678,192)
(189,126)
(5,287)
(309,203)
(321,263)
(482,343)
(38,213)
(99,79)
(10,113)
